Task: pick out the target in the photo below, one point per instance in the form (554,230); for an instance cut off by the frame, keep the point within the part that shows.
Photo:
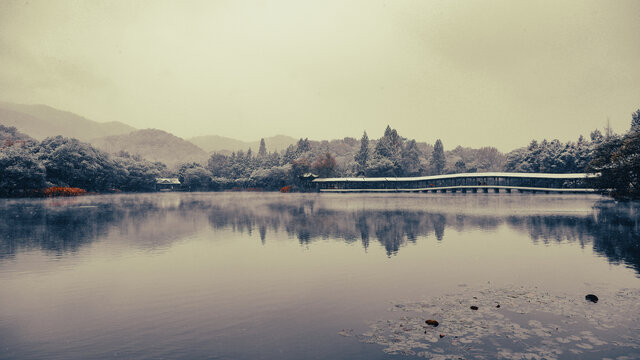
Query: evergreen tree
(437,158)
(271,160)
(386,160)
(617,161)
(461,167)
(362,157)
(289,155)
(635,121)
(410,159)
(262,152)
(390,145)
(596,136)
(303,146)
(608,132)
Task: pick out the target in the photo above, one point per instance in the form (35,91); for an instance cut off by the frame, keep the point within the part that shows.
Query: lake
(318,276)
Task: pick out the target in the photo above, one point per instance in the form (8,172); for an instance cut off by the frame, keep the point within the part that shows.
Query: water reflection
(152,221)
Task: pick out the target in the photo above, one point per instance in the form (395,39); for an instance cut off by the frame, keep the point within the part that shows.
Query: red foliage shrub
(64,191)
(285,189)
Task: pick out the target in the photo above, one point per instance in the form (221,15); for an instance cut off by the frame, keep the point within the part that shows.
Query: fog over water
(273,276)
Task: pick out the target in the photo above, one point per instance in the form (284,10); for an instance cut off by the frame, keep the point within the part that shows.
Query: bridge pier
(496,190)
(508,191)
(474,190)
(444,191)
(453,190)
(464,191)
(434,191)
(485,190)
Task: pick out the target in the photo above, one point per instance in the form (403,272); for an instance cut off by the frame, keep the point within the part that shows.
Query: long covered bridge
(467,182)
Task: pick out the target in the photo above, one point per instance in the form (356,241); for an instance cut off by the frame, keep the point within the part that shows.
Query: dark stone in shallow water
(498,306)
(592,298)
(473,307)
(432,323)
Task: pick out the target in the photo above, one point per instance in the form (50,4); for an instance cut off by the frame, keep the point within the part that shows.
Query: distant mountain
(153,145)
(41,121)
(215,143)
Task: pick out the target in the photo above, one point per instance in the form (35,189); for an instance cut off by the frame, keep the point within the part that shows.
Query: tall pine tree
(362,157)
(263,148)
(437,158)
(635,121)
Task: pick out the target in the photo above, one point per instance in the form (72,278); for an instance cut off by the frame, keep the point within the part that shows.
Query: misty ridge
(63,226)
(43,148)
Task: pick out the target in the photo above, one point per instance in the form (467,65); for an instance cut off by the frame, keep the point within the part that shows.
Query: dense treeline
(554,156)
(391,155)
(270,170)
(617,159)
(27,165)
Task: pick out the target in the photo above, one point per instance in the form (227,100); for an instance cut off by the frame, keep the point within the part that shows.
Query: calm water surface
(277,276)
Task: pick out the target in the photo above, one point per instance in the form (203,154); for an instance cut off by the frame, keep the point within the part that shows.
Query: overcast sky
(476,73)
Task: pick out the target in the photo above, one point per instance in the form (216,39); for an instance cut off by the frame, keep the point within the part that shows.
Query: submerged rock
(473,307)
(433,323)
(592,298)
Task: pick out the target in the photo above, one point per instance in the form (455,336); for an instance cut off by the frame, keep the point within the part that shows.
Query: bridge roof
(462,175)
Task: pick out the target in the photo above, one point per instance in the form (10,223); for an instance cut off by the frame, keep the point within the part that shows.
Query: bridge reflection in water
(467,182)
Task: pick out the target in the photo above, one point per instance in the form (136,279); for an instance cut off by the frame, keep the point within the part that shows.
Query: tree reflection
(155,221)
(616,234)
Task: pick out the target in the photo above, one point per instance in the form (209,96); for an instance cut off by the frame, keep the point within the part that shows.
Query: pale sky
(476,73)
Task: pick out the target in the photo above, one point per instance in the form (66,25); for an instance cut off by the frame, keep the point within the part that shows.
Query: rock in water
(592,298)
(473,307)
(432,323)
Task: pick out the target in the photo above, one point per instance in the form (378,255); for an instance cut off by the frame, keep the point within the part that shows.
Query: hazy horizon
(493,73)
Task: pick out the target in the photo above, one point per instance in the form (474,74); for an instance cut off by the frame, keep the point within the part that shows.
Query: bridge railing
(496,181)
